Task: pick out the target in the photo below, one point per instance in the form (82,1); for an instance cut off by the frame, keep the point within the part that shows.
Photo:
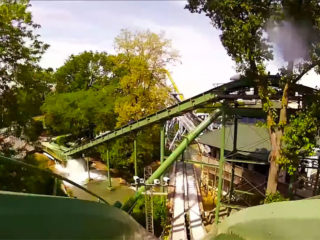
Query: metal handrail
(17,162)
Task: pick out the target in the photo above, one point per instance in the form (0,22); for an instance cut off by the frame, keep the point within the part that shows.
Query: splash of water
(76,171)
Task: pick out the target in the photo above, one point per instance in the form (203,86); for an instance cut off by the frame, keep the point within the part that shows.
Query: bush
(274,197)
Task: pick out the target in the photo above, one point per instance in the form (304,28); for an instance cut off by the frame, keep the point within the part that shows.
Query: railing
(56,176)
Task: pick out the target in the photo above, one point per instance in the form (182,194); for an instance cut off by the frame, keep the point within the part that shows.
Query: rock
(122,181)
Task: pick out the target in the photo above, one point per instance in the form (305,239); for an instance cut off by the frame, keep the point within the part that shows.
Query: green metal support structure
(221,168)
(167,113)
(162,148)
(162,143)
(174,155)
(235,138)
(135,157)
(109,176)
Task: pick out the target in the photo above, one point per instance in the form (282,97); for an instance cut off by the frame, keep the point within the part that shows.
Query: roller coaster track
(187,221)
(223,92)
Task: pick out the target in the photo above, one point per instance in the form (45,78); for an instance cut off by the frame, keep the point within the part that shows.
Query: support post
(234,150)
(108,164)
(135,157)
(174,155)
(162,148)
(88,168)
(162,143)
(221,169)
(55,186)
(317,179)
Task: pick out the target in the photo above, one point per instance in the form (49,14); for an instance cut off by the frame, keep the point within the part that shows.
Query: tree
(80,112)
(19,45)
(250,31)
(20,51)
(299,139)
(143,56)
(84,71)
(86,87)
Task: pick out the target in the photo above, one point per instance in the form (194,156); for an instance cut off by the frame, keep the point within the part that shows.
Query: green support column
(162,143)
(162,146)
(109,176)
(221,168)
(235,137)
(135,157)
(173,156)
(55,186)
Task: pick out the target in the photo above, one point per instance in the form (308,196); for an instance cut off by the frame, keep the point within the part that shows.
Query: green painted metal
(221,168)
(175,110)
(135,157)
(252,141)
(235,138)
(55,150)
(174,155)
(246,161)
(244,192)
(162,143)
(162,148)
(30,216)
(289,220)
(203,164)
(108,165)
(17,162)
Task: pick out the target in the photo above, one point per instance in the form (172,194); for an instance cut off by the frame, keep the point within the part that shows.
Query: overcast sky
(73,27)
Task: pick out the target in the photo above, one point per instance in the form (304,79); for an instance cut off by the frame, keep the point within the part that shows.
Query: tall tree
(143,55)
(21,80)
(19,45)
(249,31)
(85,93)
(84,71)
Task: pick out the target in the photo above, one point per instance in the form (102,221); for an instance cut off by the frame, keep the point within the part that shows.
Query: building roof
(252,141)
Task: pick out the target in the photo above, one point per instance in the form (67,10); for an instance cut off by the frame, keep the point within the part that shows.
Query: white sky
(73,27)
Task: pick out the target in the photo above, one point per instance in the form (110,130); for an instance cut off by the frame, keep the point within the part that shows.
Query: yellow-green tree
(143,55)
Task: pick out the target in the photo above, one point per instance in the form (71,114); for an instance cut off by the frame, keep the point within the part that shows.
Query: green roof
(252,141)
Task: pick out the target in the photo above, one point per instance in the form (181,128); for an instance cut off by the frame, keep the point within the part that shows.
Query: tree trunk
(276,134)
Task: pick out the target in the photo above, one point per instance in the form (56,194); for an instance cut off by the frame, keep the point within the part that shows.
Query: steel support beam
(246,161)
(162,143)
(167,113)
(135,157)
(109,176)
(235,138)
(174,156)
(221,168)
(203,164)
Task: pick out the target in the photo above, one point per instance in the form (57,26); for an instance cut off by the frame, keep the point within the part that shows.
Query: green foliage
(241,23)
(79,111)
(84,71)
(19,45)
(274,197)
(225,236)
(143,57)
(97,92)
(246,33)
(159,213)
(22,179)
(22,83)
(299,140)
